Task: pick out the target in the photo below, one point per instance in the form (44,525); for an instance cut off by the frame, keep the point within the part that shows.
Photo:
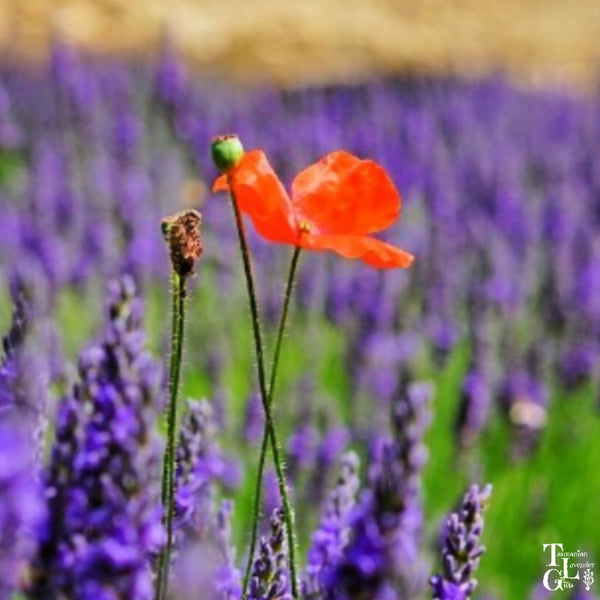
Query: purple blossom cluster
(22,393)
(200,464)
(381,558)
(462,548)
(331,536)
(269,579)
(102,514)
(228,579)
(21,507)
(206,565)
(12,397)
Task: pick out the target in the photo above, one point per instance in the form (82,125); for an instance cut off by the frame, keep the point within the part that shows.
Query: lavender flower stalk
(199,464)
(22,390)
(331,445)
(462,549)
(101,491)
(11,396)
(383,553)
(20,505)
(229,579)
(205,567)
(332,534)
(268,578)
(475,401)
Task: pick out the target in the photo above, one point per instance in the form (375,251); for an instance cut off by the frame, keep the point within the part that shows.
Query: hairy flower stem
(168,482)
(265,439)
(288,514)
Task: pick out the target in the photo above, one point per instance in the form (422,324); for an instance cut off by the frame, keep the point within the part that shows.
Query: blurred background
(292,43)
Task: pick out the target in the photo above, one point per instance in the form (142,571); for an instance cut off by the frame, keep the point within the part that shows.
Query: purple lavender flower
(271,495)
(22,389)
(330,447)
(331,536)
(103,519)
(170,78)
(462,548)
(200,463)
(228,581)
(301,445)
(446,590)
(383,552)
(578,363)
(12,342)
(21,505)
(269,573)
(206,566)
(476,398)
(253,419)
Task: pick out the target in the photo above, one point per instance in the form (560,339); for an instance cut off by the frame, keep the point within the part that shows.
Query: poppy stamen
(304,226)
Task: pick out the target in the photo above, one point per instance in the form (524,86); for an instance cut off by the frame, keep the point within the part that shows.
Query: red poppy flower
(335,204)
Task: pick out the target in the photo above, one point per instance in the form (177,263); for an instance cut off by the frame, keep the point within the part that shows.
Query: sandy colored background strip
(295,41)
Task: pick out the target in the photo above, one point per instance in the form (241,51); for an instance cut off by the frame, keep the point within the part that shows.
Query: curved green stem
(263,449)
(168,483)
(288,513)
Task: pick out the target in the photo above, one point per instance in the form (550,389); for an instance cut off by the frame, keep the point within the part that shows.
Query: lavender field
(401,393)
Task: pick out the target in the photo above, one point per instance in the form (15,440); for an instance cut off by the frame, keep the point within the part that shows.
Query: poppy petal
(370,250)
(261,196)
(342,194)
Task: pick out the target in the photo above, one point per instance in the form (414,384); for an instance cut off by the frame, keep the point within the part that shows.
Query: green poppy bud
(227,151)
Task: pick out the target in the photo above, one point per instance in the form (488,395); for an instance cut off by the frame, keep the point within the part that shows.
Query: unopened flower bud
(227,151)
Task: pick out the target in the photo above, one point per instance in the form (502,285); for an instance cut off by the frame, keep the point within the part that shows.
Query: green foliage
(11,164)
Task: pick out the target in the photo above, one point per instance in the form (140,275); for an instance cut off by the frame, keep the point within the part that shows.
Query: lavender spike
(332,534)
(462,549)
(103,519)
(269,580)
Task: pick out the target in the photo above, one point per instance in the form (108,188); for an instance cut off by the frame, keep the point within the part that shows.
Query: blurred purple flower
(475,403)
(200,464)
(22,375)
(228,580)
(253,419)
(21,505)
(327,455)
(578,363)
(301,445)
(332,534)
(383,551)
(206,565)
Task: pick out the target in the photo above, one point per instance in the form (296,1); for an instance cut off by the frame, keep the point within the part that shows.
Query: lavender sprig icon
(588,579)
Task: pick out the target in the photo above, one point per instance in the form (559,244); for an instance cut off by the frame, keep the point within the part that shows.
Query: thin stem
(168,484)
(288,514)
(174,365)
(263,449)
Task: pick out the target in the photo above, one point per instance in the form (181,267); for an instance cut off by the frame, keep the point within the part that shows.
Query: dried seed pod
(182,234)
